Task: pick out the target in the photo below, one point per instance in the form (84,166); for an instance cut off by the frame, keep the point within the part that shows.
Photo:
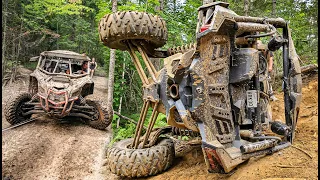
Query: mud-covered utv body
(58,81)
(216,91)
(58,87)
(234,116)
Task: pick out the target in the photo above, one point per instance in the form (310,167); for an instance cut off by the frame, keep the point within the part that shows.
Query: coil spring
(82,100)
(184,132)
(181,49)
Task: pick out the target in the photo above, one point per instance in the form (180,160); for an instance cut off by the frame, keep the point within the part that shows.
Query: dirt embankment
(51,149)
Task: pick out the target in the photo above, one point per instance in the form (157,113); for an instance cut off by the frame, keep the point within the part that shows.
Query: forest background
(32,26)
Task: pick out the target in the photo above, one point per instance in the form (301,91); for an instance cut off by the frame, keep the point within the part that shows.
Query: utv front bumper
(57,103)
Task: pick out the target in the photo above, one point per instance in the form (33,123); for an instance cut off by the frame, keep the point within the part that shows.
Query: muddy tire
(102,119)
(13,111)
(117,27)
(127,162)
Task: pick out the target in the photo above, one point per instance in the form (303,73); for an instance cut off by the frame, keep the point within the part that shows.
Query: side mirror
(34,59)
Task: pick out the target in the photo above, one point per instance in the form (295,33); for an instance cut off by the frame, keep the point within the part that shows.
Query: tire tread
(116,27)
(140,162)
(10,110)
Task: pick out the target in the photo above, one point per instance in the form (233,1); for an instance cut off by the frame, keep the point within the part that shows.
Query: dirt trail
(293,162)
(51,149)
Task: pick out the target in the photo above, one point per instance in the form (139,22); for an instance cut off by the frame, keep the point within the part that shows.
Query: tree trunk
(273,8)
(304,70)
(12,59)
(122,84)
(111,68)
(4,23)
(57,38)
(160,7)
(19,43)
(246,7)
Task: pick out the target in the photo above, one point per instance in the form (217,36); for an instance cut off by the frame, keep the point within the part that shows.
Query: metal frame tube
(144,52)
(277,22)
(153,119)
(140,125)
(139,122)
(33,112)
(148,64)
(137,64)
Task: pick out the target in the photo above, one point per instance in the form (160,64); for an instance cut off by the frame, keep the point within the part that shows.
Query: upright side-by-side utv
(216,92)
(59,87)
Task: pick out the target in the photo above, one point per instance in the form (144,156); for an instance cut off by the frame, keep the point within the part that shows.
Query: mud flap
(212,159)
(214,115)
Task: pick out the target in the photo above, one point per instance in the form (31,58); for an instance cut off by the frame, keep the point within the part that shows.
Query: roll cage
(53,65)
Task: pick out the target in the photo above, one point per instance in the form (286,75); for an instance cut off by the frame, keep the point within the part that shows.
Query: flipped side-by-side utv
(216,91)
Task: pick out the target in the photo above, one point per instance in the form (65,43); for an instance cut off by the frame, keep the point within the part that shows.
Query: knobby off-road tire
(117,27)
(13,111)
(127,162)
(102,119)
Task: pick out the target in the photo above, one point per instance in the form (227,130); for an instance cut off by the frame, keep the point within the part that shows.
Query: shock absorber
(82,100)
(184,132)
(280,128)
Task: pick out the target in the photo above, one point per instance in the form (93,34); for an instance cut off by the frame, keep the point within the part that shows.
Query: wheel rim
(97,112)
(21,108)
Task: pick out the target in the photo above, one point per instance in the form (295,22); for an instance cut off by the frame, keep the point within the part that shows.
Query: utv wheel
(14,108)
(101,119)
(117,27)
(123,161)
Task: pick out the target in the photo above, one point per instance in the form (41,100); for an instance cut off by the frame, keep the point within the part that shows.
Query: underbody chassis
(217,90)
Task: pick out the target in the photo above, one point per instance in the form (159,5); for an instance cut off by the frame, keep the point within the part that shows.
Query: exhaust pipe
(257,146)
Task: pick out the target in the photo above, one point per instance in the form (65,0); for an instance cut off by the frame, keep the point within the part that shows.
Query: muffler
(257,146)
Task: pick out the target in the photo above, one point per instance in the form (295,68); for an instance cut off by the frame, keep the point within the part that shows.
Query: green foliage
(30,65)
(45,10)
(302,17)
(100,71)
(160,122)
(126,131)
(127,128)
